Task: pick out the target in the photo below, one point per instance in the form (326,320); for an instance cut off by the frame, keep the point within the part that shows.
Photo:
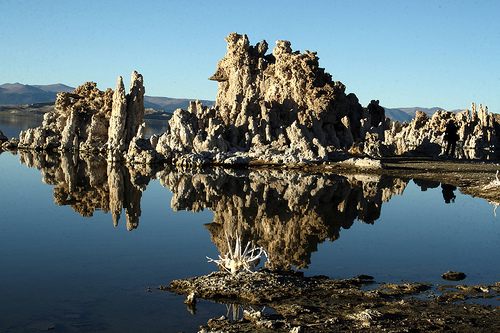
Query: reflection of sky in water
(61,267)
(418,237)
(11,124)
(71,270)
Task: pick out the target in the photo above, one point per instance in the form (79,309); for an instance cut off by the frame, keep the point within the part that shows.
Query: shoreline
(321,304)
(472,177)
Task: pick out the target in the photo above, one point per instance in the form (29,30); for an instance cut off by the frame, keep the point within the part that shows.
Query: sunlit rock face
(91,120)
(90,184)
(288,214)
(478,130)
(278,107)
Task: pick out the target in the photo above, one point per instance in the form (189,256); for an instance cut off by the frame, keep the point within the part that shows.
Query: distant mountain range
(23,94)
(407,114)
(17,93)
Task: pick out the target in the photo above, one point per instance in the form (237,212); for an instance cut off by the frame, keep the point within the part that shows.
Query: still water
(85,244)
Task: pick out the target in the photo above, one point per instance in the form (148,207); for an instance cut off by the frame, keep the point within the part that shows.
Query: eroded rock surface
(319,304)
(282,108)
(424,135)
(91,120)
(274,108)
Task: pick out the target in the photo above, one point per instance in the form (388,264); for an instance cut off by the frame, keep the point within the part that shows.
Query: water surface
(85,244)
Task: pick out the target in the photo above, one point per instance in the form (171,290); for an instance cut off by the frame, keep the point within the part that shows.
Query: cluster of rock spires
(276,108)
(91,120)
(424,135)
(271,108)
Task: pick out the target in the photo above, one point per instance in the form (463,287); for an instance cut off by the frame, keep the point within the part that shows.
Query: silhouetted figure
(448,194)
(377,113)
(451,137)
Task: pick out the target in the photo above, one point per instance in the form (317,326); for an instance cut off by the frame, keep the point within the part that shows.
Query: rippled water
(84,244)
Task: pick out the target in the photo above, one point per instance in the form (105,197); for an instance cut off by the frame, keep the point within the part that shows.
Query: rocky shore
(289,213)
(320,304)
(274,109)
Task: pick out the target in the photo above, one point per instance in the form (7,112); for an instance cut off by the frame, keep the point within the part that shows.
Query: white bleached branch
(237,260)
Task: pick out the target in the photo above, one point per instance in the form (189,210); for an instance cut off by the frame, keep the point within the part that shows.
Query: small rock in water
(190,299)
(453,276)
(365,277)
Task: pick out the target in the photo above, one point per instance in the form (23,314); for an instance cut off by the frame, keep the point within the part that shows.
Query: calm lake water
(85,244)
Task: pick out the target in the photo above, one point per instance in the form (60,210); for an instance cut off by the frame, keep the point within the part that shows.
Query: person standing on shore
(451,137)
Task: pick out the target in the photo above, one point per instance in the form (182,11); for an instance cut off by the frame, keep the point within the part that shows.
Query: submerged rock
(453,276)
(320,304)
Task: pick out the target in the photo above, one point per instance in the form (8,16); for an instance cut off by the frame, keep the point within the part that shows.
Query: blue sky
(404,53)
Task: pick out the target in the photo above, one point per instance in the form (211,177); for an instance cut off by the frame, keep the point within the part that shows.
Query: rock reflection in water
(287,213)
(90,184)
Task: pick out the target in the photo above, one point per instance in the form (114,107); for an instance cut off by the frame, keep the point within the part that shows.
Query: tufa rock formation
(282,108)
(478,132)
(273,108)
(91,120)
(276,108)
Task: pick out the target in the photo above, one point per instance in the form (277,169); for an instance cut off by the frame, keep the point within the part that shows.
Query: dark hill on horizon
(58,87)
(17,93)
(14,94)
(408,113)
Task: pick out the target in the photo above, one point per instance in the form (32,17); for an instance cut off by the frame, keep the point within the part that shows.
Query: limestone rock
(91,120)
(453,276)
(275,108)
(135,105)
(362,163)
(117,122)
(282,108)
(140,150)
(478,131)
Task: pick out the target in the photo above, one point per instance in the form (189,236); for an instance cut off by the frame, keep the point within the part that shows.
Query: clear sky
(404,53)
